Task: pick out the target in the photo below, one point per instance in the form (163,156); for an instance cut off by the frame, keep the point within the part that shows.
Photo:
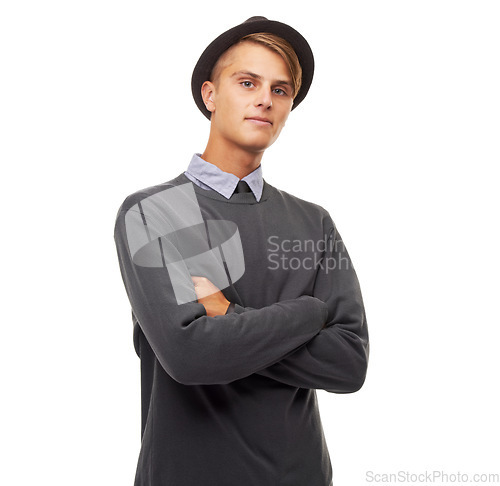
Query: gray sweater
(230,400)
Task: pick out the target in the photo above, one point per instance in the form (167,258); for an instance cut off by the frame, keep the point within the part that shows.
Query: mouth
(257,120)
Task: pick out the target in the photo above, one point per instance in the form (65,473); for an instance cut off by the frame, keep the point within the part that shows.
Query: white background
(398,139)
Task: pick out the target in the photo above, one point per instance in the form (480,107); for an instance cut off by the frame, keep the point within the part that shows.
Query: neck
(234,160)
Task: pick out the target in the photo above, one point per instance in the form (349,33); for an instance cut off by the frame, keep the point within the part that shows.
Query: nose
(263,97)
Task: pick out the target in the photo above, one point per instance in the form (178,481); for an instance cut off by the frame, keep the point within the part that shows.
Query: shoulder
(141,194)
(302,208)
(147,204)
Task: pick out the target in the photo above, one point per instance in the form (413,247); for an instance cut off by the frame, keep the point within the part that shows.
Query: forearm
(334,360)
(197,349)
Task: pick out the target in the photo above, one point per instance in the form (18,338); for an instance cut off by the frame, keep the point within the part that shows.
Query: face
(251,98)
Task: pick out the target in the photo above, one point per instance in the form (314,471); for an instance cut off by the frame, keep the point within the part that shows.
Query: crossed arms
(313,341)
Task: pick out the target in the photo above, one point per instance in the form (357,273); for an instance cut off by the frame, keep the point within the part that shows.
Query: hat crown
(255,19)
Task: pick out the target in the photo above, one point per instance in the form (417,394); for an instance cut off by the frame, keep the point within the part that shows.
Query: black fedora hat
(253,25)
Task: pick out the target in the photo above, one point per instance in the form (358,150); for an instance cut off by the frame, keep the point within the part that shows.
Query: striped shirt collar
(209,176)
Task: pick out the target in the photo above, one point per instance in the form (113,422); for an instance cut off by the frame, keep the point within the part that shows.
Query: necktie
(242,187)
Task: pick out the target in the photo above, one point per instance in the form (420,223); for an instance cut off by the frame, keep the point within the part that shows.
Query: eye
(247,84)
(280,91)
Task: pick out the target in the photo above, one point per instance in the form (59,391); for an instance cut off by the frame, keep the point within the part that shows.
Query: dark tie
(242,187)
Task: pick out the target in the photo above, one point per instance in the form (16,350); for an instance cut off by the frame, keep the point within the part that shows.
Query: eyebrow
(258,76)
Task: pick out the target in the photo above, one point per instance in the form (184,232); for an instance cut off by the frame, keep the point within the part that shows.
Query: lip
(264,122)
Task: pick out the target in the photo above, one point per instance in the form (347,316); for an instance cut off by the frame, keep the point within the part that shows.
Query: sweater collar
(211,177)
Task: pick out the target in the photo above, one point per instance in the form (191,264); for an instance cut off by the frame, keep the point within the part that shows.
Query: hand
(210,296)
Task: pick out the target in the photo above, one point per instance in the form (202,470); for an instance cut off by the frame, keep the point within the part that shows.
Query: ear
(208,95)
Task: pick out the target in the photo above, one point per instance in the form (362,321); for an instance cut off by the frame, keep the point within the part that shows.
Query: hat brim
(216,48)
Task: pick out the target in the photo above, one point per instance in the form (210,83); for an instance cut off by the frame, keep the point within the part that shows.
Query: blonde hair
(276,44)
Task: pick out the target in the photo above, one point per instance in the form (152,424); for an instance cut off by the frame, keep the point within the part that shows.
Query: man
(244,300)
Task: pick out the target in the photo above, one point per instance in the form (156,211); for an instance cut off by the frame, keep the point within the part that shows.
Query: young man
(244,300)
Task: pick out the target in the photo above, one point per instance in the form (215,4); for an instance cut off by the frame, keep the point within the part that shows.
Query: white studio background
(398,139)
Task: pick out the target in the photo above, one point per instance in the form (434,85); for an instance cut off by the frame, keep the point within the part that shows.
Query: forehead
(257,58)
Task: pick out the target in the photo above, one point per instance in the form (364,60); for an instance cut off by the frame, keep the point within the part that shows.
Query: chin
(258,145)
(256,148)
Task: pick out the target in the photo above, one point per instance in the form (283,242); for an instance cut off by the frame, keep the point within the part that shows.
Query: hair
(276,44)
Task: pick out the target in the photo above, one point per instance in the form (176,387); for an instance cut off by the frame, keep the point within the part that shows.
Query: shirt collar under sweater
(209,176)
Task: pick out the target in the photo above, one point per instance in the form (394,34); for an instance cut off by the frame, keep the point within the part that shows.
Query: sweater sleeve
(336,358)
(195,349)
